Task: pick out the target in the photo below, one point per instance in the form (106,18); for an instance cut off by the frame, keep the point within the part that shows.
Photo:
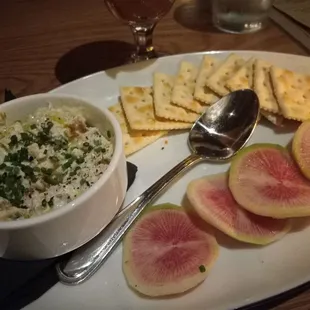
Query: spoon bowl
(226,126)
(217,135)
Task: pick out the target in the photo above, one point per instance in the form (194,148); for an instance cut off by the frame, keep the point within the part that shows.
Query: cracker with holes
(263,87)
(292,91)
(202,92)
(134,140)
(243,78)
(162,91)
(217,80)
(183,89)
(137,103)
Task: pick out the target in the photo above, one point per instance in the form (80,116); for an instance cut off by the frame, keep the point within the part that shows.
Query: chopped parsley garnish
(53,179)
(68,163)
(47,171)
(54,159)
(17,157)
(80,160)
(47,126)
(26,138)
(13,141)
(68,155)
(73,173)
(22,176)
(100,150)
(51,202)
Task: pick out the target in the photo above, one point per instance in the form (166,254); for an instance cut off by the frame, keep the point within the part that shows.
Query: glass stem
(143,35)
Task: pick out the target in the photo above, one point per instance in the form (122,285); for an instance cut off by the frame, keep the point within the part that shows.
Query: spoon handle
(89,258)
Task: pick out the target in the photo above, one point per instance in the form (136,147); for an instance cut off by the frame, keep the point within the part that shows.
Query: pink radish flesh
(167,245)
(213,201)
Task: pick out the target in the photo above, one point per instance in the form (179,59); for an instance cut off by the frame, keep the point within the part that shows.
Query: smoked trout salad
(48,160)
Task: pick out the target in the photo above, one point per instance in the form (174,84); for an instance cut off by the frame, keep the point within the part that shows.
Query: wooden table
(46,43)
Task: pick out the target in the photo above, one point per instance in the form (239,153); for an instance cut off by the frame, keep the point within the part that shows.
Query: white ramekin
(65,229)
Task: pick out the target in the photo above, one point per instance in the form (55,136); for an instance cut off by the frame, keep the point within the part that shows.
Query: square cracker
(134,140)
(202,92)
(183,89)
(243,78)
(162,89)
(263,86)
(292,91)
(137,103)
(217,80)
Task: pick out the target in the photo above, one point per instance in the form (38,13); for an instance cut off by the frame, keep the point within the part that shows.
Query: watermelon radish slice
(213,201)
(301,148)
(167,252)
(265,180)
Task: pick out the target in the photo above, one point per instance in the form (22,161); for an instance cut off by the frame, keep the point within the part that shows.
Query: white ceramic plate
(243,274)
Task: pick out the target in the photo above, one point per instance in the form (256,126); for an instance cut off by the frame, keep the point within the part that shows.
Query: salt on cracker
(217,80)
(275,119)
(137,103)
(134,140)
(292,91)
(263,86)
(243,78)
(202,92)
(162,91)
(184,86)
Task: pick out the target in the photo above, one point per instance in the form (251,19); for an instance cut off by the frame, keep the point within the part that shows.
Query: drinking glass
(142,17)
(240,16)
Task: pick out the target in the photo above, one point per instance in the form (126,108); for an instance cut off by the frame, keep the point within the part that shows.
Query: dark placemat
(22,282)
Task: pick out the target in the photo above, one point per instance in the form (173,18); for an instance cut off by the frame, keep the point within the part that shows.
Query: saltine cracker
(292,91)
(183,89)
(162,90)
(263,86)
(134,140)
(217,80)
(202,92)
(243,78)
(137,103)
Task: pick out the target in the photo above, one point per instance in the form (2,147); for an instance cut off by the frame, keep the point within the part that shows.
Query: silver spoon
(217,135)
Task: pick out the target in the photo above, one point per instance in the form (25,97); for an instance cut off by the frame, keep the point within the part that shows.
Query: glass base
(134,58)
(240,30)
(239,24)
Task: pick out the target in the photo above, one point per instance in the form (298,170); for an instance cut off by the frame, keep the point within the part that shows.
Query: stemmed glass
(142,16)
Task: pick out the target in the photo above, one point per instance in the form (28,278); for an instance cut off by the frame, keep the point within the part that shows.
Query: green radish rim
(270,210)
(207,215)
(171,287)
(296,144)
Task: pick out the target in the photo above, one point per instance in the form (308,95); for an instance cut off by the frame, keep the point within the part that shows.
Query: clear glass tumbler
(240,16)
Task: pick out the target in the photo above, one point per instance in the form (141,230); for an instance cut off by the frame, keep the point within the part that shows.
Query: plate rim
(213,52)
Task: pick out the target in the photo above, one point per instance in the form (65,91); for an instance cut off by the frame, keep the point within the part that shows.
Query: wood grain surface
(47,43)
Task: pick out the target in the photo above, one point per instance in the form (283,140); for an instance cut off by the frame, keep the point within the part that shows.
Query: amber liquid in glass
(139,11)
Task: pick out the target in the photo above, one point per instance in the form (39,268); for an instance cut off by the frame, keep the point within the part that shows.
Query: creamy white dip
(48,160)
